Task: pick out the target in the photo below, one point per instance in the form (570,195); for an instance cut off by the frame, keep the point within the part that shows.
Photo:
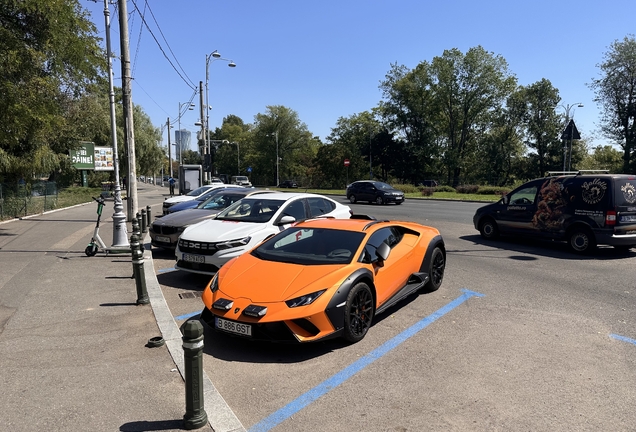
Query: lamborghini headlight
(233,243)
(304,300)
(214,283)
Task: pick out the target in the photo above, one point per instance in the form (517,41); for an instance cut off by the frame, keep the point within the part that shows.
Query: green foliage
(51,57)
(406,188)
(492,190)
(615,92)
(445,188)
(467,189)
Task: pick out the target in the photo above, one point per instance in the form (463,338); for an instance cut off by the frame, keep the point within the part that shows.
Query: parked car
(194,203)
(288,184)
(206,246)
(585,210)
(165,232)
(241,181)
(169,202)
(323,278)
(374,191)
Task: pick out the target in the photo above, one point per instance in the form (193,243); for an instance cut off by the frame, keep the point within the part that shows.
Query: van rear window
(625,193)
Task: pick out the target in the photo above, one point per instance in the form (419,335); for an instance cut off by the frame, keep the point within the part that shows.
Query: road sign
(346,162)
(571,132)
(249,169)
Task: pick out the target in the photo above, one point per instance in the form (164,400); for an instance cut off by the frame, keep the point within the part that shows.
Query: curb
(220,417)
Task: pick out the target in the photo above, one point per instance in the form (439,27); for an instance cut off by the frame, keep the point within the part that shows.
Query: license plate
(163,239)
(194,258)
(628,218)
(233,327)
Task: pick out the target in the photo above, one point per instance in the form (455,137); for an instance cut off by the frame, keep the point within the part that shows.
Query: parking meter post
(148,217)
(195,416)
(138,270)
(144,221)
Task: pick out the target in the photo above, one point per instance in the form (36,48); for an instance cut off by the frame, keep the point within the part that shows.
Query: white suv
(241,181)
(204,247)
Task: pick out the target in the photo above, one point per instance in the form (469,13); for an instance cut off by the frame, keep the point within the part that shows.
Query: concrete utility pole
(120,231)
(127,104)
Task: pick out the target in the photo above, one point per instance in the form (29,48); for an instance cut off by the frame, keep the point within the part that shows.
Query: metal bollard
(137,231)
(195,416)
(148,217)
(139,272)
(144,221)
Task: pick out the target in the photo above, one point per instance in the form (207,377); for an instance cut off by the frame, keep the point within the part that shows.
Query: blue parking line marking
(166,270)
(186,316)
(321,389)
(623,338)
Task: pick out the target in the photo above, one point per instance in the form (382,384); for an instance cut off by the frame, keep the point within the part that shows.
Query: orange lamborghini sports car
(323,278)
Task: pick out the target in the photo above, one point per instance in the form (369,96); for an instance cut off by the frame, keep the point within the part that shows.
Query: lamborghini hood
(270,282)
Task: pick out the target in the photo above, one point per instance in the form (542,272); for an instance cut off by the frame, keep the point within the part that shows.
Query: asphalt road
(522,336)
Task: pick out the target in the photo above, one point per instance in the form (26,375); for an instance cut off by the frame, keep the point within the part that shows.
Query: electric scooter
(97,242)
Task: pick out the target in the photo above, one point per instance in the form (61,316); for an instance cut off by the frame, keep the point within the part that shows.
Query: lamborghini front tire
(359,311)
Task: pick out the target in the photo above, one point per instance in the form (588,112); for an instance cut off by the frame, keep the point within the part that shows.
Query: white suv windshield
(257,210)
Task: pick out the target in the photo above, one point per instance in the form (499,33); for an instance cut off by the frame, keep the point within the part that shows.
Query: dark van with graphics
(584,209)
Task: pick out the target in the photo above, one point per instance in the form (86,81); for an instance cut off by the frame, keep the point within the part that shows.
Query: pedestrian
(171,181)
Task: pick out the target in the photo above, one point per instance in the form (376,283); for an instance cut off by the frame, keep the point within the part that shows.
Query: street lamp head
(231,64)
(198,123)
(216,54)
(580,105)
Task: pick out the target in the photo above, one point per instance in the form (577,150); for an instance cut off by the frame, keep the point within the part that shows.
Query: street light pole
(277,159)
(179,141)
(216,56)
(567,122)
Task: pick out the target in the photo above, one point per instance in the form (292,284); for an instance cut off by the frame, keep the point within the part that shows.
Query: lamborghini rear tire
(359,311)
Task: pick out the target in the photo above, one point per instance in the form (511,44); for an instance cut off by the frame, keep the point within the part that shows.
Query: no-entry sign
(346,162)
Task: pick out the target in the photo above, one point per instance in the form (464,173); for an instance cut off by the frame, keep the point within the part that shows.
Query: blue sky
(325,59)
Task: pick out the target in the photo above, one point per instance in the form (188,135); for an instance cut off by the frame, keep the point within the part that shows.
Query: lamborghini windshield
(311,246)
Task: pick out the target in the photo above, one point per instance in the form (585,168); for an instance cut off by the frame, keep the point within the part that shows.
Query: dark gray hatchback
(374,191)
(584,209)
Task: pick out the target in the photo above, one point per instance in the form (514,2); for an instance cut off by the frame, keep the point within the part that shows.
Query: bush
(406,188)
(445,189)
(493,190)
(467,189)
(427,191)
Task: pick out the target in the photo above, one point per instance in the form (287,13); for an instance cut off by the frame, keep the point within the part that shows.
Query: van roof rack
(579,172)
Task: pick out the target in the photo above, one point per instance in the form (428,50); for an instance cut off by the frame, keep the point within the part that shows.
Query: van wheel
(581,240)
(488,229)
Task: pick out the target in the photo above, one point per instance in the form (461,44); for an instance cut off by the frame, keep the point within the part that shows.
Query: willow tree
(50,57)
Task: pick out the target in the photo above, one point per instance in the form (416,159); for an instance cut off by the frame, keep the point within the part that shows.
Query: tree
(603,157)
(467,88)
(351,138)
(279,132)
(51,58)
(410,110)
(615,93)
(535,107)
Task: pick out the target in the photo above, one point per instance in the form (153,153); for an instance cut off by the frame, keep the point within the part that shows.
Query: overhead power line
(188,81)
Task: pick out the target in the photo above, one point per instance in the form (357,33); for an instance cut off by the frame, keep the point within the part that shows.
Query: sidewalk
(72,339)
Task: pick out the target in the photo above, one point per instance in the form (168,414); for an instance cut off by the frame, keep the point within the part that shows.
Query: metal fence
(22,199)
